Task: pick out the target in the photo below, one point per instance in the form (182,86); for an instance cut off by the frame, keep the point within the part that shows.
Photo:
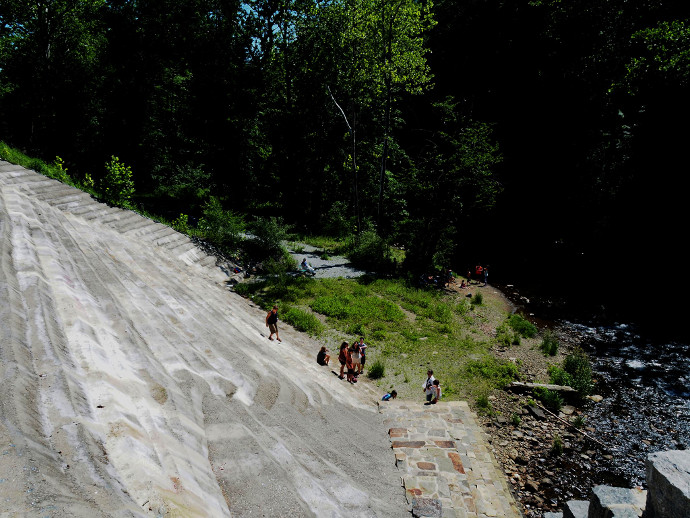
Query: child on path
(428,385)
(272,323)
(392,395)
(356,358)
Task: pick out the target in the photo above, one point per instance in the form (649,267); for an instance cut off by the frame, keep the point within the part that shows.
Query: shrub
(576,373)
(521,325)
(221,227)
(515,419)
(549,344)
(372,252)
(483,403)
(269,234)
(181,224)
(477,299)
(557,446)
(118,185)
(376,370)
(579,421)
(551,399)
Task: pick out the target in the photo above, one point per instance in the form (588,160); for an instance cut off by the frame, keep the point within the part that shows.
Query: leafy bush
(477,299)
(181,223)
(557,447)
(269,234)
(515,419)
(483,403)
(301,320)
(221,227)
(118,185)
(576,373)
(521,325)
(371,252)
(506,336)
(498,372)
(579,421)
(377,370)
(549,344)
(550,398)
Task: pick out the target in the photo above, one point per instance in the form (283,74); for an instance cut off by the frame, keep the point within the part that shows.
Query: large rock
(576,509)
(617,502)
(668,479)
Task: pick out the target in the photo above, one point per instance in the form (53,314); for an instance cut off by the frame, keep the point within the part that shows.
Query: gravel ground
(332,268)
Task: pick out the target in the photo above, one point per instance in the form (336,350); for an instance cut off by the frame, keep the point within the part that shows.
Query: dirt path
(135,383)
(332,267)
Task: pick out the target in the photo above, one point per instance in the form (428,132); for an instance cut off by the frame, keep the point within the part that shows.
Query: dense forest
(545,138)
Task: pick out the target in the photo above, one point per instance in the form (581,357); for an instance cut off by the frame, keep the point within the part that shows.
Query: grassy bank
(408,330)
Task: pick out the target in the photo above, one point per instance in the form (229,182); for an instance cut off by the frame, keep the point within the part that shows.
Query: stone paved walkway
(448,470)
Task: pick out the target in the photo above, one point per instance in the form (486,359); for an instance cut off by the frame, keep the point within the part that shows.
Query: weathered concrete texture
(553,515)
(447,468)
(668,479)
(616,502)
(576,509)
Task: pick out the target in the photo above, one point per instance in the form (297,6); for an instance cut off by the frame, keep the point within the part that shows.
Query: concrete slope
(133,383)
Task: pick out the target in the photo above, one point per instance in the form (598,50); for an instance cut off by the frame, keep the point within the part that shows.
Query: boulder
(617,502)
(576,509)
(668,479)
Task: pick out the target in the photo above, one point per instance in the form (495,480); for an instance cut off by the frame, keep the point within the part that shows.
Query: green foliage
(515,419)
(557,446)
(576,372)
(268,237)
(61,171)
(579,421)
(181,224)
(118,184)
(222,227)
(360,309)
(301,320)
(550,398)
(477,299)
(376,370)
(499,373)
(371,252)
(506,336)
(483,403)
(549,344)
(521,325)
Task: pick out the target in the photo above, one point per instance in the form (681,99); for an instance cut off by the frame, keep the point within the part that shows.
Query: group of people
(353,357)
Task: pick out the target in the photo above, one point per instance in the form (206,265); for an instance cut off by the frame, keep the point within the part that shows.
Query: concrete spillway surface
(133,383)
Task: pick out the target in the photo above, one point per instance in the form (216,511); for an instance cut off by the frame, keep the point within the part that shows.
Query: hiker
(428,385)
(437,392)
(307,267)
(362,354)
(322,358)
(342,358)
(272,323)
(392,395)
(486,275)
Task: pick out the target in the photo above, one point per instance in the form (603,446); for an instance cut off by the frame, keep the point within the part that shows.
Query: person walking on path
(428,386)
(486,275)
(356,355)
(272,323)
(437,392)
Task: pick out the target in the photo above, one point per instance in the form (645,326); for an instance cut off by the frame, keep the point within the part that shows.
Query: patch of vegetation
(301,320)
(377,370)
(579,421)
(515,420)
(499,373)
(477,299)
(550,398)
(483,404)
(522,326)
(372,252)
(549,344)
(506,336)
(557,446)
(223,228)
(117,185)
(576,372)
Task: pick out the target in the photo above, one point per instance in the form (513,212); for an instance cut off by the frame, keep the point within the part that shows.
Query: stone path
(447,468)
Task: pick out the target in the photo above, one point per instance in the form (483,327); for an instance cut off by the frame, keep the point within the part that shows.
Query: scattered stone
(426,508)
(568,409)
(536,412)
(596,398)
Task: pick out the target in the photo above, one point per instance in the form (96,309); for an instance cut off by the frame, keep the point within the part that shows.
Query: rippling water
(646,389)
